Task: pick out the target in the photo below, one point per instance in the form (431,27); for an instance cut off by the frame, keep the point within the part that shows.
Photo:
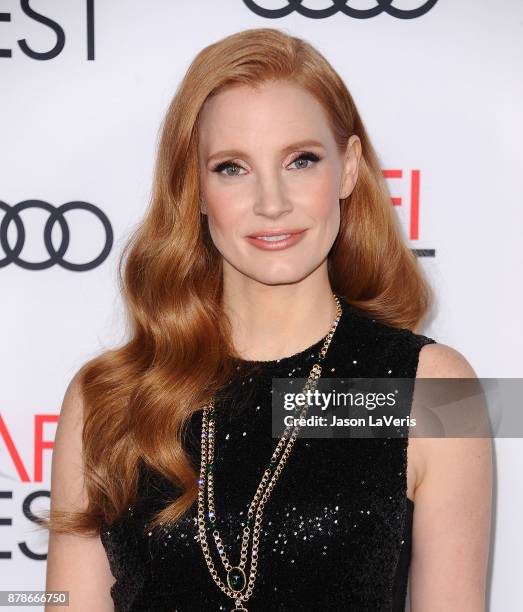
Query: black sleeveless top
(336,530)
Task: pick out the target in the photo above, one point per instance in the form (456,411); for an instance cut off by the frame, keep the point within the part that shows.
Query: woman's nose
(271,198)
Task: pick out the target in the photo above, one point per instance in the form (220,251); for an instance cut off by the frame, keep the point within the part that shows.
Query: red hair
(138,398)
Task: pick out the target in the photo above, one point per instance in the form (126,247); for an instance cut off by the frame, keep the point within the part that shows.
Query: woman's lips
(276,245)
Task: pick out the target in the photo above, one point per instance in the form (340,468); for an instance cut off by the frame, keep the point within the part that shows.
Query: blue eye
(307,156)
(224,166)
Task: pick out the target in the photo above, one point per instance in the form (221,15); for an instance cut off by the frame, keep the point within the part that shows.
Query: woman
(270,246)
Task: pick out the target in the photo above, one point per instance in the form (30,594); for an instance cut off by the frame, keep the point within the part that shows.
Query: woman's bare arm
(77,564)
(451,529)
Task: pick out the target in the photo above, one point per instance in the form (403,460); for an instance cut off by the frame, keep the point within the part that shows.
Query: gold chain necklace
(236,578)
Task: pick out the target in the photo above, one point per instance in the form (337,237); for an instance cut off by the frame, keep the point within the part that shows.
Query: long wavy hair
(139,398)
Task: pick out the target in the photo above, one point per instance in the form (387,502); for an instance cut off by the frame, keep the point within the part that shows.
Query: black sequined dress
(336,531)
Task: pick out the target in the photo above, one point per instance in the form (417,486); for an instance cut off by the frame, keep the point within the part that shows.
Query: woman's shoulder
(443,361)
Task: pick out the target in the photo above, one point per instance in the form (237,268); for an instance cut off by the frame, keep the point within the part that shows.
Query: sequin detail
(336,532)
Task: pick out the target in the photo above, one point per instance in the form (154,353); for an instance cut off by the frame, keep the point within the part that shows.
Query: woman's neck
(271,322)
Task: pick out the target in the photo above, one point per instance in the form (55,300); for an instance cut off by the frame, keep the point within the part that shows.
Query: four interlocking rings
(337,6)
(56,214)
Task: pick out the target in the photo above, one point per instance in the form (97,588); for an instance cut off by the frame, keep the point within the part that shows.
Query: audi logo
(56,215)
(382,6)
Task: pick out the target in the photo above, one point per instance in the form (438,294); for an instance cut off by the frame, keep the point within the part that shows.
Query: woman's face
(269,161)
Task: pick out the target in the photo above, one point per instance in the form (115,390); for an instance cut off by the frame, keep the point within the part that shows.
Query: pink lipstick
(276,240)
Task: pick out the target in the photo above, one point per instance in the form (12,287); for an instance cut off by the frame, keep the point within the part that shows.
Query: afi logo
(54,26)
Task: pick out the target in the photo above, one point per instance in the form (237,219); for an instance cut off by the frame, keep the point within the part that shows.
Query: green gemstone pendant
(236,579)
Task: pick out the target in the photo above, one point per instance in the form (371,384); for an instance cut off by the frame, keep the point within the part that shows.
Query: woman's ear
(351,164)
(203,207)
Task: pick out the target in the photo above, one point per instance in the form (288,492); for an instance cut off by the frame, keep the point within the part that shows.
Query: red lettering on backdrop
(394,174)
(414,205)
(39,446)
(40,443)
(414,198)
(11,449)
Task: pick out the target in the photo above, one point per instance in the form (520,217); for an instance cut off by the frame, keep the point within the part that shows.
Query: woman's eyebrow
(238,153)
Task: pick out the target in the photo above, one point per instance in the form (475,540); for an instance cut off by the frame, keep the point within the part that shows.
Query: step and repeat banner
(84,85)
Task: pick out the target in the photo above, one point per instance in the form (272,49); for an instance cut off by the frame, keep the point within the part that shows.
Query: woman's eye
(305,157)
(225,166)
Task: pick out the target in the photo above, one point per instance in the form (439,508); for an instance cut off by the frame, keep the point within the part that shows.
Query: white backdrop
(441,96)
